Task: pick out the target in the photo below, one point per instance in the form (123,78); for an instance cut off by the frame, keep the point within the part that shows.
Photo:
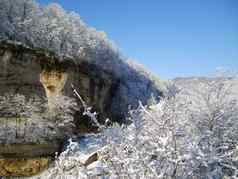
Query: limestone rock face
(53,82)
(22,167)
(38,107)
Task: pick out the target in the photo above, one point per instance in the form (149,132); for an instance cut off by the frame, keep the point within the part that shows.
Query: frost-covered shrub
(168,140)
(52,28)
(190,134)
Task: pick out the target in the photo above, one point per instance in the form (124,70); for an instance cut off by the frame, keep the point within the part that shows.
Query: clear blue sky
(171,38)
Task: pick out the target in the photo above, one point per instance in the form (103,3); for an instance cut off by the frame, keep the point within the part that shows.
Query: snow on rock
(80,159)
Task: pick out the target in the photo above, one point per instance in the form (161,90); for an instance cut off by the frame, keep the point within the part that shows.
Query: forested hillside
(64,34)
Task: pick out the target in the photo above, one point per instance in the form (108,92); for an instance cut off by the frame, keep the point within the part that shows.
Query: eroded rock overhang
(36,93)
(31,81)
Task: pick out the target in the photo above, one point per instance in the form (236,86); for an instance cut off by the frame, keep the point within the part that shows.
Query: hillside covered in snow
(73,107)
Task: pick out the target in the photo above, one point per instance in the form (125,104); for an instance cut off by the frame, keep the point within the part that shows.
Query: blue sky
(171,38)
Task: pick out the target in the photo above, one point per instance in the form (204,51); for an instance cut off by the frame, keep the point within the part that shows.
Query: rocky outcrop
(36,99)
(53,82)
(22,167)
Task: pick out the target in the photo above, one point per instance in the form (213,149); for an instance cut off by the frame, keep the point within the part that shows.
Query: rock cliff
(43,51)
(37,106)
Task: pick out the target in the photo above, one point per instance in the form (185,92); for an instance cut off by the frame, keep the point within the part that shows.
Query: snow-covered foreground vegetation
(191,134)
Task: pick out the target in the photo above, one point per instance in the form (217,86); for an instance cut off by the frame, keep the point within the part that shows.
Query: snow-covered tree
(51,28)
(190,134)
(213,113)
